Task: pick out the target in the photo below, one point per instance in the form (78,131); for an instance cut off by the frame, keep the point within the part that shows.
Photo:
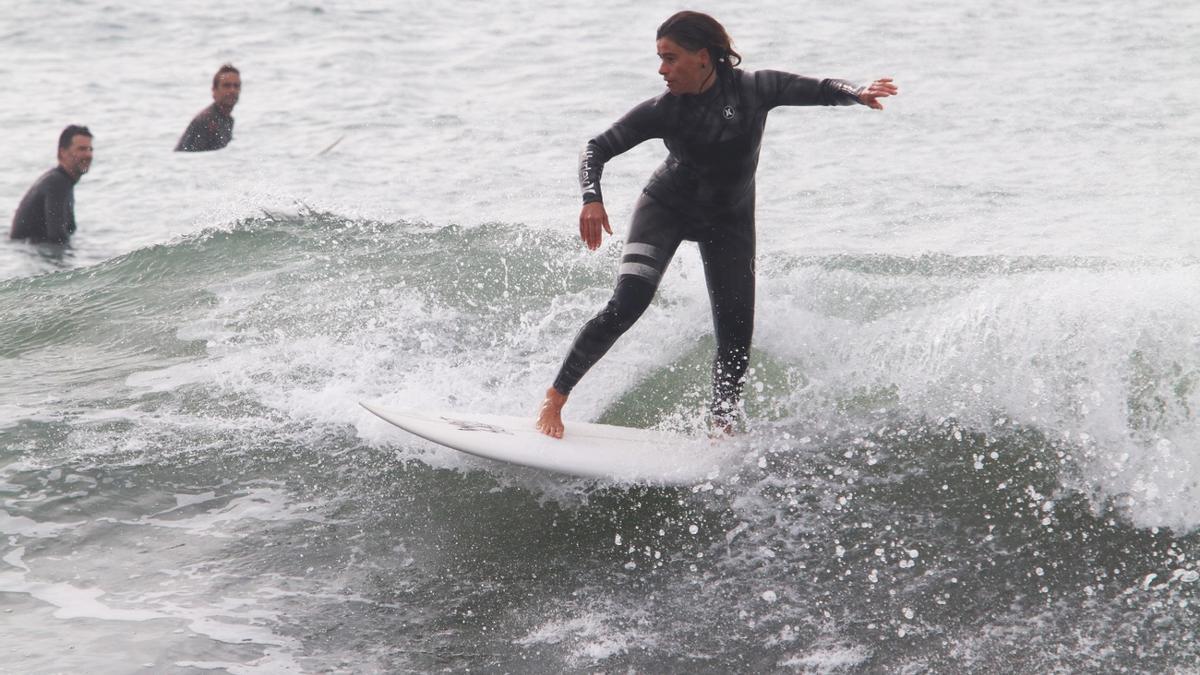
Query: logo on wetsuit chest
(728,112)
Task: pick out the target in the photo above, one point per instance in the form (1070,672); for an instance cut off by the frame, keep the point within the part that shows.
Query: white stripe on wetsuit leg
(638,248)
(639,270)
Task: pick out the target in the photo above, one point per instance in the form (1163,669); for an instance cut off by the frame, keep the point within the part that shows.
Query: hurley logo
(728,112)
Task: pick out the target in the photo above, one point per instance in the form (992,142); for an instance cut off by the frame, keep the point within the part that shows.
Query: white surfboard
(589,450)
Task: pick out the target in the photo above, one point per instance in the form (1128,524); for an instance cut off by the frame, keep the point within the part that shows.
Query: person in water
(212,128)
(711,119)
(46,213)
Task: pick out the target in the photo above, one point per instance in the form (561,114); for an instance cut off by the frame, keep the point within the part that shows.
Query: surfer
(711,119)
(46,213)
(212,128)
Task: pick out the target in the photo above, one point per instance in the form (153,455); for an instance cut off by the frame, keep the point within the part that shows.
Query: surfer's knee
(630,299)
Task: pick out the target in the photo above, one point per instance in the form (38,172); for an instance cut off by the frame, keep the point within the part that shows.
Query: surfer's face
(76,159)
(228,89)
(685,71)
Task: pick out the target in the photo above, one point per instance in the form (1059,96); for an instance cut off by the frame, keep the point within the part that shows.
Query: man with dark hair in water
(711,118)
(212,129)
(47,211)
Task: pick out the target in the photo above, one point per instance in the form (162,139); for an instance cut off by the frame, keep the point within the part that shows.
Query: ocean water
(974,412)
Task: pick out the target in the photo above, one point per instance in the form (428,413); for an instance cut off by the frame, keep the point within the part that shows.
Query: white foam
(828,659)
(11,415)
(1068,352)
(27,527)
(271,662)
(591,637)
(72,602)
(236,621)
(262,504)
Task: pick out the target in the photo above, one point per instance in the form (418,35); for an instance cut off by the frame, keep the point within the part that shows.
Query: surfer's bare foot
(549,419)
(718,430)
(721,426)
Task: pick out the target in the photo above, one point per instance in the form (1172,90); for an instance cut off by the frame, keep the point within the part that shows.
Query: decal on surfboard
(466,425)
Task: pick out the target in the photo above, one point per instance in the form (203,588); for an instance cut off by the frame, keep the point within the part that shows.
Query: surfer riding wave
(711,119)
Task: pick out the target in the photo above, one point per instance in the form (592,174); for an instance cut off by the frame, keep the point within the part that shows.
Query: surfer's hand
(591,219)
(881,88)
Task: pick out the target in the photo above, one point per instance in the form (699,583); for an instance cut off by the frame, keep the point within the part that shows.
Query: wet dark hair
(69,134)
(695,31)
(227,68)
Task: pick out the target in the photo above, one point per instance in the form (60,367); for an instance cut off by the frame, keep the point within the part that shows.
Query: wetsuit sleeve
(185,139)
(57,210)
(778,88)
(195,137)
(639,124)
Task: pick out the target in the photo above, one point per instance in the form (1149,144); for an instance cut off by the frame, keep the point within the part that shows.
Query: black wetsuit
(211,129)
(702,192)
(47,211)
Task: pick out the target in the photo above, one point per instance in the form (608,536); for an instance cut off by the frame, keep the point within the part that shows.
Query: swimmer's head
(695,31)
(227,87)
(691,46)
(75,150)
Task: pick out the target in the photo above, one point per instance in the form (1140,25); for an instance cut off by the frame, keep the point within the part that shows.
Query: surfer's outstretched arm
(549,419)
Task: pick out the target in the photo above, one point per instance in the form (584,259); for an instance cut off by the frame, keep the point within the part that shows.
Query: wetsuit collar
(710,78)
(73,179)
(713,91)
